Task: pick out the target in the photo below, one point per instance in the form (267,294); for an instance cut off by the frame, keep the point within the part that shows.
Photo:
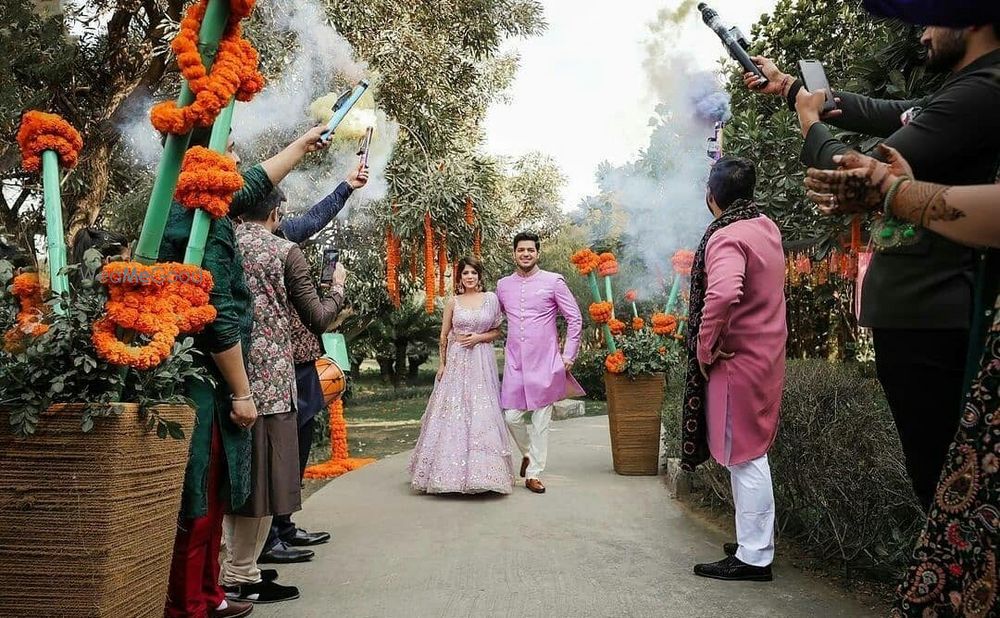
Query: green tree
(860,54)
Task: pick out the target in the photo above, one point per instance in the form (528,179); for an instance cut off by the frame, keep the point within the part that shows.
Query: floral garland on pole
(234,72)
(39,132)
(429,263)
(158,302)
(208,181)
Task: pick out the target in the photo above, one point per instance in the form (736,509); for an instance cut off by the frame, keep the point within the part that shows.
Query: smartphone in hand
(814,78)
(330,258)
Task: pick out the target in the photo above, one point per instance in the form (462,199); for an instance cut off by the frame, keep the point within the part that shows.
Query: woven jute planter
(87,520)
(634,418)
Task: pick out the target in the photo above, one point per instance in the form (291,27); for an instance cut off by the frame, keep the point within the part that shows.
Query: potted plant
(639,356)
(92,456)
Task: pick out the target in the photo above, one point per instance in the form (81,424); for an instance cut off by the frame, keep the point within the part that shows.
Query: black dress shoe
(261,592)
(730,548)
(268,575)
(734,569)
(301,538)
(281,553)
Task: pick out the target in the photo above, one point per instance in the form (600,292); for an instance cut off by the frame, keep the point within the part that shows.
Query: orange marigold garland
(429,260)
(601,312)
(607,264)
(40,132)
(470,211)
(616,363)
(683,260)
(31,311)
(340,460)
(664,323)
(208,180)
(477,243)
(392,247)
(159,301)
(234,72)
(585,261)
(413,265)
(638,323)
(617,326)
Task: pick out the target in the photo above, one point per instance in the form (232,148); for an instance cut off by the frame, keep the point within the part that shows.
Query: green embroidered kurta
(231,298)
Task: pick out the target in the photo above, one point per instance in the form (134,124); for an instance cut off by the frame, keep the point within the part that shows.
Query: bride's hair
(477,265)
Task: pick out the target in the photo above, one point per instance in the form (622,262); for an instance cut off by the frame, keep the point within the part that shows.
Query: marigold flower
(617,326)
(585,261)
(616,363)
(208,181)
(638,323)
(683,261)
(631,296)
(607,265)
(664,323)
(40,132)
(601,312)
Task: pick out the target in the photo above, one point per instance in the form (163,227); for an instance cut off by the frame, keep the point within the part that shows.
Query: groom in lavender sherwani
(536,373)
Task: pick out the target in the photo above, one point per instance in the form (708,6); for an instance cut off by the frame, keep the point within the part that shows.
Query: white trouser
(244,538)
(532,440)
(754,499)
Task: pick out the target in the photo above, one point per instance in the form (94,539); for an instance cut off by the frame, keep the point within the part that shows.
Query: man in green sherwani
(218,470)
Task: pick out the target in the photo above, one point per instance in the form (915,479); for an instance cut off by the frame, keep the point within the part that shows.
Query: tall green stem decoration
(596,292)
(55,237)
(674,290)
(607,290)
(195,251)
(169,169)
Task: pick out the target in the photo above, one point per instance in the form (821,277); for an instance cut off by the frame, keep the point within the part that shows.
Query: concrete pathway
(597,544)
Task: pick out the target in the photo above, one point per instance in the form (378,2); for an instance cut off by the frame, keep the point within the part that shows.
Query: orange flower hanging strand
(208,180)
(40,132)
(429,262)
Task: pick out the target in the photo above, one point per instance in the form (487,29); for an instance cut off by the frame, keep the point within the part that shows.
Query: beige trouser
(244,538)
(532,440)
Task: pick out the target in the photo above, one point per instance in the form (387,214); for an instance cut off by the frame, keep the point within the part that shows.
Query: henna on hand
(846,191)
(924,202)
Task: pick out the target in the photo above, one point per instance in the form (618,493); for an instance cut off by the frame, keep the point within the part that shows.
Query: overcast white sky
(581,94)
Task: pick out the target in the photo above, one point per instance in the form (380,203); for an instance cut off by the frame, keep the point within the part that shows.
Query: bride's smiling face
(470,279)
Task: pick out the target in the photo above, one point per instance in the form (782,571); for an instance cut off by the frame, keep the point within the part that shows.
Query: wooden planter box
(87,521)
(634,419)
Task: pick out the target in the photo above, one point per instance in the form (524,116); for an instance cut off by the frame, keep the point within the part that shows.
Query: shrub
(839,480)
(589,372)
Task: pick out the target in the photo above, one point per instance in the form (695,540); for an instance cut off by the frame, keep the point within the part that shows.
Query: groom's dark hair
(528,236)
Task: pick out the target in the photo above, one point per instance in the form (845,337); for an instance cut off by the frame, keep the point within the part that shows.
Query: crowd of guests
(254,427)
(930,297)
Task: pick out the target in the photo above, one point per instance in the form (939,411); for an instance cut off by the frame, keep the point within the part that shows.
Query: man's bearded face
(945,48)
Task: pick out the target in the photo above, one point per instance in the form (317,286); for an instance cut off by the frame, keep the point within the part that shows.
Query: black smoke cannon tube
(733,40)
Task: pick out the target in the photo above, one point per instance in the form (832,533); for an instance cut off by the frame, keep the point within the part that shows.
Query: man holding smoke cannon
(918,293)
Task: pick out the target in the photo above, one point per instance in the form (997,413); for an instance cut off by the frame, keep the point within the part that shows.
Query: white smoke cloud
(664,203)
(321,61)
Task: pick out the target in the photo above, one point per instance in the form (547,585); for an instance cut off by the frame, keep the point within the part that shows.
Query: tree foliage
(860,54)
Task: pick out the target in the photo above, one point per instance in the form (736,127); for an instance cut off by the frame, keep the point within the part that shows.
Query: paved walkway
(597,544)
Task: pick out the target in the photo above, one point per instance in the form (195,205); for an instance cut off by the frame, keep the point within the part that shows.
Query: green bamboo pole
(195,251)
(148,248)
(611,298)
(54,235)
(635,311)
(596,292)
(674,290)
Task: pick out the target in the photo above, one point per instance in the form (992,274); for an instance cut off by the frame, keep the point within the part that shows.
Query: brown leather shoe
(234,609)
(524,466)
(535,485)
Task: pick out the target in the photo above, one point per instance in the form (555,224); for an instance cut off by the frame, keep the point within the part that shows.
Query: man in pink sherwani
(737,346)
(536,374)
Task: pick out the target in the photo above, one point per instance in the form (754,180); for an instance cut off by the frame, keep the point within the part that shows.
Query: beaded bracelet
(890,231)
